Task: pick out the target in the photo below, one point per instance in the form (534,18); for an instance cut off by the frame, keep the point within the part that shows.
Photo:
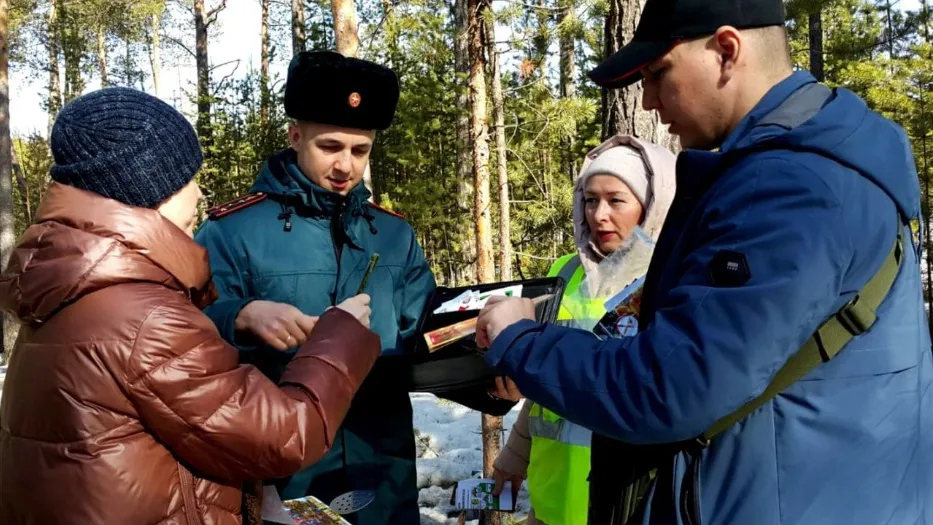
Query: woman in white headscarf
(624,183)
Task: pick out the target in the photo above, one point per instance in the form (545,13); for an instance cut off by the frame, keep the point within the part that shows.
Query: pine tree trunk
(928,209)
(467,266)
(7,225)
(568,74)
(542,40)
(568,70)
(55,82)
(73,50)
(102,56)
(622,111)
(204,80)
(154,42)
(129,65)
(346,27)
(264,97)
(890,31)
(816,45)
(480,135)
(505,226)
(22,185)
(491,426)
(298,26)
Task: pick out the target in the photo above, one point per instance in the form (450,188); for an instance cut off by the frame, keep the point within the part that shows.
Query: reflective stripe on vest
(570,269)
(546,424)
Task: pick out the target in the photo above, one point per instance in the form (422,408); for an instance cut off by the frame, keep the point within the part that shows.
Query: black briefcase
(458,371)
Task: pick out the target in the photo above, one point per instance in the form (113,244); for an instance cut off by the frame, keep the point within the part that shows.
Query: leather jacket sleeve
(230,421)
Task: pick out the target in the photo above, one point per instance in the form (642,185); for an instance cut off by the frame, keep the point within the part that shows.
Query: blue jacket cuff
(506,340)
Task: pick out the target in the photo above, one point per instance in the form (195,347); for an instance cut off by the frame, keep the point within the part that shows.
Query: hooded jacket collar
(281,176)
(83,242)
(661,179)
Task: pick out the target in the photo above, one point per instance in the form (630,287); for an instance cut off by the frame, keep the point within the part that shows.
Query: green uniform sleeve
(231,279)
(417,285)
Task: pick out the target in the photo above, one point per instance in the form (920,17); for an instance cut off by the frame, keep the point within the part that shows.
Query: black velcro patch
(729,269)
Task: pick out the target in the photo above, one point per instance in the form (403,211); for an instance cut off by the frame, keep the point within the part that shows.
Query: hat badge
(354,99)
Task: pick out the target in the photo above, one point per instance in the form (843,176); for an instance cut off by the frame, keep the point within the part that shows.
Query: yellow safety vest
(560,450)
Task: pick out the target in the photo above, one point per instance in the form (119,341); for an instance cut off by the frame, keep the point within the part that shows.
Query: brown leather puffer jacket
(122,404)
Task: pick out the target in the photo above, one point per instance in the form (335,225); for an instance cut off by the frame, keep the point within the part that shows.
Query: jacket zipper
(187,493)
(336,231)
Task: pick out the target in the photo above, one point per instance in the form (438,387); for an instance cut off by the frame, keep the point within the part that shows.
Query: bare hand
(500,313)
(506,389)
(500,477)
(358,306)
(279,325)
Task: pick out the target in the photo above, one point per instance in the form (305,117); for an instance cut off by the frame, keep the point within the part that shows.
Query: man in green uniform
(301,242)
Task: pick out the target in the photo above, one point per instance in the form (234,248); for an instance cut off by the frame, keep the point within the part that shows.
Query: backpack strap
(855,318)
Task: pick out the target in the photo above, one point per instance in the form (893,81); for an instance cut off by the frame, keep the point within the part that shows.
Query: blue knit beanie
(125,145)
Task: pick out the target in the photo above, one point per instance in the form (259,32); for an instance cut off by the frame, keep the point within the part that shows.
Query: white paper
(474,300)
(476,494)
(272,508)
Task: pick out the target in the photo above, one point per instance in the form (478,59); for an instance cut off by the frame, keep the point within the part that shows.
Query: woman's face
(612,211)
(182,207)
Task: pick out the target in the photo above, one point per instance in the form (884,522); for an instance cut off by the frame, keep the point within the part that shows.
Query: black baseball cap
(665,23)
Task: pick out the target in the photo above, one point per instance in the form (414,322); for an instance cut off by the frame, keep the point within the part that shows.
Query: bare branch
(385,15)
(220,84)
(211,15)
(237,60)
(528,169)
(530,256)
(538,7)
(180,44)
(186,6)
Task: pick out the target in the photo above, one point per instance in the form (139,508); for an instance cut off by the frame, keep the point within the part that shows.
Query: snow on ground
(450,448)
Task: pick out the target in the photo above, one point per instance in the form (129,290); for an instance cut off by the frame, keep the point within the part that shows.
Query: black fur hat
(328,88)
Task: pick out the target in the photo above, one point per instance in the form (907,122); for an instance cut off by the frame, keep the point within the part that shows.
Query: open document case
(456,370)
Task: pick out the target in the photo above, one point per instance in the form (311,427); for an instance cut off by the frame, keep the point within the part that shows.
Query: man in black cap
(782,372)
(301,242)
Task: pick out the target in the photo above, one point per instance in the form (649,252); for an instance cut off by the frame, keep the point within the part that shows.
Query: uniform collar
(300,191)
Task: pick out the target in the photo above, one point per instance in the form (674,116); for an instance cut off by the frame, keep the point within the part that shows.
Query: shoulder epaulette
(222,210)
(390,212)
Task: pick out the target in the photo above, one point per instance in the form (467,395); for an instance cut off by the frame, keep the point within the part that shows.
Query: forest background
(495,115)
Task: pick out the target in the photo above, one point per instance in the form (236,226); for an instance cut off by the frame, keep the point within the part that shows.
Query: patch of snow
(450,448)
